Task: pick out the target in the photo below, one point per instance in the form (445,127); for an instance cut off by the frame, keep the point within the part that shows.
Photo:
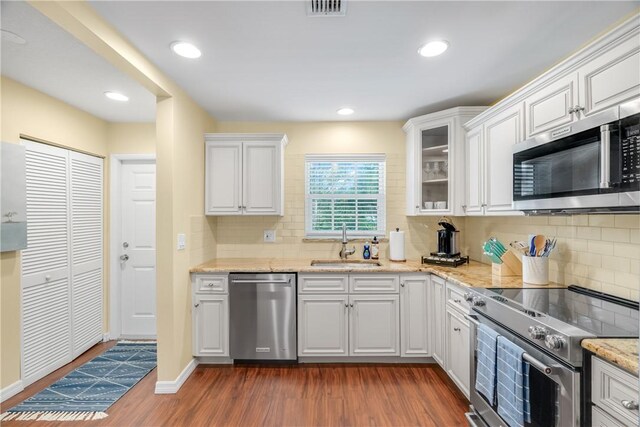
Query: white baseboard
(172,387)
(11,390)
(105,337)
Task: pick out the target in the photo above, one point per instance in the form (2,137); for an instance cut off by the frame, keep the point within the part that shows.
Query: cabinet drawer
(322,283)
(599,418)
(374,283)
(216,284)
(455,297)
(610,386)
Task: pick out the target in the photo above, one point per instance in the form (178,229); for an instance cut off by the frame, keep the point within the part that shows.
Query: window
(347,189)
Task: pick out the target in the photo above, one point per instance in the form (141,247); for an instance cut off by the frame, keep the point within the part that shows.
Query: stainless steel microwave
(589,166)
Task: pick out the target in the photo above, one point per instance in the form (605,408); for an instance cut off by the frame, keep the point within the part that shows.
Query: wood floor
(303,395)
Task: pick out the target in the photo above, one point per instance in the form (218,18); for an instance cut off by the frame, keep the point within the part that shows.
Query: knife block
(511,266)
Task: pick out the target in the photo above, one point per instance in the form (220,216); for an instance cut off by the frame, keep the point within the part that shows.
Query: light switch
(270,236)
(182,241)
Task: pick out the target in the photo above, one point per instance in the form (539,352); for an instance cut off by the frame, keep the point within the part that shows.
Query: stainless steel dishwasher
(263,316)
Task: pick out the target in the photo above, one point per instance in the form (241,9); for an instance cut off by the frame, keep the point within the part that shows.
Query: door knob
(124,257)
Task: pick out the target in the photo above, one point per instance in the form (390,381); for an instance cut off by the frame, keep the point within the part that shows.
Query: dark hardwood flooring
(303,395)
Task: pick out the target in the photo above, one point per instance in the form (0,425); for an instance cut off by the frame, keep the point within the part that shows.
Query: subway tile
(627,280)
(589,233)
(627,250)
(616,263)
(604,248)
(601,220)
(627,221)
(615,234)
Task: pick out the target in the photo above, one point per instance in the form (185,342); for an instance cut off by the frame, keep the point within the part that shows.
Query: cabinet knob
(47,278)
(346,306)
(457,301)
(484,205)
(402,284)
(629,404)
(196,305)
(351,305)
(571,110)
(464,208)
(456,329)
(417,206)
(210,284)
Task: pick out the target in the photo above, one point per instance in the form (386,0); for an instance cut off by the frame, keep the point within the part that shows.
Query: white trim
(11,390)
(247,137)
(115,175)
(172,387)
(365,359)
(105,337)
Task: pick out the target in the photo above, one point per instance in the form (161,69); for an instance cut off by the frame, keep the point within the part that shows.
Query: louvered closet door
(86,250)
(46,292)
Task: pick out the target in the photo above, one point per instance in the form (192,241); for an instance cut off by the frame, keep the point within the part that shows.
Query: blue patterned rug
(89,390)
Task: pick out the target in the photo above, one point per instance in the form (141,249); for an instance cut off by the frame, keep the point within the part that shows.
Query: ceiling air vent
(326,8)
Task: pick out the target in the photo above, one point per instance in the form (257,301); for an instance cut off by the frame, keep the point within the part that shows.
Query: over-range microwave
(589,166)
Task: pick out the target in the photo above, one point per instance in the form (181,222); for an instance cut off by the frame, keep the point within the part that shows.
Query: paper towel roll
(396,246)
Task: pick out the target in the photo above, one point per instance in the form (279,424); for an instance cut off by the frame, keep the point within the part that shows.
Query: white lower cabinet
(323,326)
(437,319)
(414,315)
(457,349)
(374,321)
(210,325)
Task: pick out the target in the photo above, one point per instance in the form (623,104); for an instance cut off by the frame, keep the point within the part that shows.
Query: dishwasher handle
(261,281)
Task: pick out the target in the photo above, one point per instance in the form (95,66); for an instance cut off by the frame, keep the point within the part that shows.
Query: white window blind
(347,189)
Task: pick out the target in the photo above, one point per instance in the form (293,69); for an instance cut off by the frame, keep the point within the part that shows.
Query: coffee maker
(448,247)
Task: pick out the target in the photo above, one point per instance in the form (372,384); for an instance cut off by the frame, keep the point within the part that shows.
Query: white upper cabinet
(244,174)
(435,162)
(474,151)
(552,106)
(501,133)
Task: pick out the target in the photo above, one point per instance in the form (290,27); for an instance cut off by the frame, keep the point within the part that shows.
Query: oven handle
(545,369)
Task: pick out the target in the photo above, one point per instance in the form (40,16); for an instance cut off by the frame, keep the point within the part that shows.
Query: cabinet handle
(351,305)
(346,306)
(402,284)
(457,301)
(464,208)
(572,110)
(418,207)
(47,278)
(196,305)
(239,207)
(210,284)
(484,205)
(629,404)
(456,329)
(578,108)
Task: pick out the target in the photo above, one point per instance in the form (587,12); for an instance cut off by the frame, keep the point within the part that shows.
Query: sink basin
(349,263)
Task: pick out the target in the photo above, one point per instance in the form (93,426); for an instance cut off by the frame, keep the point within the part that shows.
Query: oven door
(554,396)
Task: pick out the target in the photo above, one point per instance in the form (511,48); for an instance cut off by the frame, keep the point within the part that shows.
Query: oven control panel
(630,154)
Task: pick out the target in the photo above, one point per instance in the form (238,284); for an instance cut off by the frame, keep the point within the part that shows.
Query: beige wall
(601,252)
(131,138)
(27,111)
(243,236)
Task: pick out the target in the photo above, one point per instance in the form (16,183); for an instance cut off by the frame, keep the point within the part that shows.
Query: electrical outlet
(270,236)
(182,242)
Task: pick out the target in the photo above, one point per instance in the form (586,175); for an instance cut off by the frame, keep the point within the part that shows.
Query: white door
(211,325)
(501,133)
(323,325)
(260,178)
(374,325)
(138,244)
(414,303)
(437,319)
(458,350)
(223,178)
(474,204)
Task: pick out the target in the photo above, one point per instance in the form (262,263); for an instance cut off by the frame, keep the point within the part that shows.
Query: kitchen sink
(348,263)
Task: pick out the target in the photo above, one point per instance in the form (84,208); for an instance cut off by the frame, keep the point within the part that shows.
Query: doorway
(133,247)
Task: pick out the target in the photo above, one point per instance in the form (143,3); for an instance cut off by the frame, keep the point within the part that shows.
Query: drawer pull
(456,329)
(457,301)
(629,404)
(210,284)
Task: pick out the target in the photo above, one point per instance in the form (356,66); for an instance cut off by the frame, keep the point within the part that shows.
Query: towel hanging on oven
(513,383)
(486,371)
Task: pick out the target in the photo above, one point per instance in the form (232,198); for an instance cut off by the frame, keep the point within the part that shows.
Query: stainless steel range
(548,324)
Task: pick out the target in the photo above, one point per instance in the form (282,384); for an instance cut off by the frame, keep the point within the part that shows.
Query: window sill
(339,239)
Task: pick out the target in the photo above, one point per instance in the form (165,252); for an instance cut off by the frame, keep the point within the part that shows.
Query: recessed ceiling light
(186,50)
(116,96)
(433,48)
(345,111)
(9,36)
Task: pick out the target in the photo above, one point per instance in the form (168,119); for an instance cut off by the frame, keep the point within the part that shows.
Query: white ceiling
(269,61)
(54,62)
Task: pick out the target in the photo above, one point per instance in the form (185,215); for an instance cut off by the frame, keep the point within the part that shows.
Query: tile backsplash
(601,252)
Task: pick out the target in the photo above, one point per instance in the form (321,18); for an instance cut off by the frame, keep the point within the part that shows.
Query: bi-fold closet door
(62,268)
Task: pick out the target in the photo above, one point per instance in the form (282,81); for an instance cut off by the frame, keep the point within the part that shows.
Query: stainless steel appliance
(592,165)
(548,324)
(262,316)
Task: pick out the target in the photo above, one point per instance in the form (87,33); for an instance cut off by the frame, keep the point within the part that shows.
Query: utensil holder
(535,270)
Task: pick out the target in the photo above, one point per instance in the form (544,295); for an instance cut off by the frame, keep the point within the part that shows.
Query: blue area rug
(89,390)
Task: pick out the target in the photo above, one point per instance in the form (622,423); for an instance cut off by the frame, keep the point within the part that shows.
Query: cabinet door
(414,305)
(500,134)
(437,319)
(551,106)
(323,325)
(211,325)
(474,193)
(375,325)
(261,184)
(612,78)
(457,351)
(223,178)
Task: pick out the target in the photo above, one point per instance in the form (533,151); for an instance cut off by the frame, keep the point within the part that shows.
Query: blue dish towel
(486,370)
(513,384)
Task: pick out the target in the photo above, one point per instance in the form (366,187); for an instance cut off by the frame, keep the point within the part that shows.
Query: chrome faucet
(344,252)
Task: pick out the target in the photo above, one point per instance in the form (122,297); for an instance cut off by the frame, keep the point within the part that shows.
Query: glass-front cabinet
(435,162)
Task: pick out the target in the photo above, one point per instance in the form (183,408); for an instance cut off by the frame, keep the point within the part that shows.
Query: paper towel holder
(395,241)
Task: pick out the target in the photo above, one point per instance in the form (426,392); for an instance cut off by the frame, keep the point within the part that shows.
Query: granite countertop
(474,274)
(619,351)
